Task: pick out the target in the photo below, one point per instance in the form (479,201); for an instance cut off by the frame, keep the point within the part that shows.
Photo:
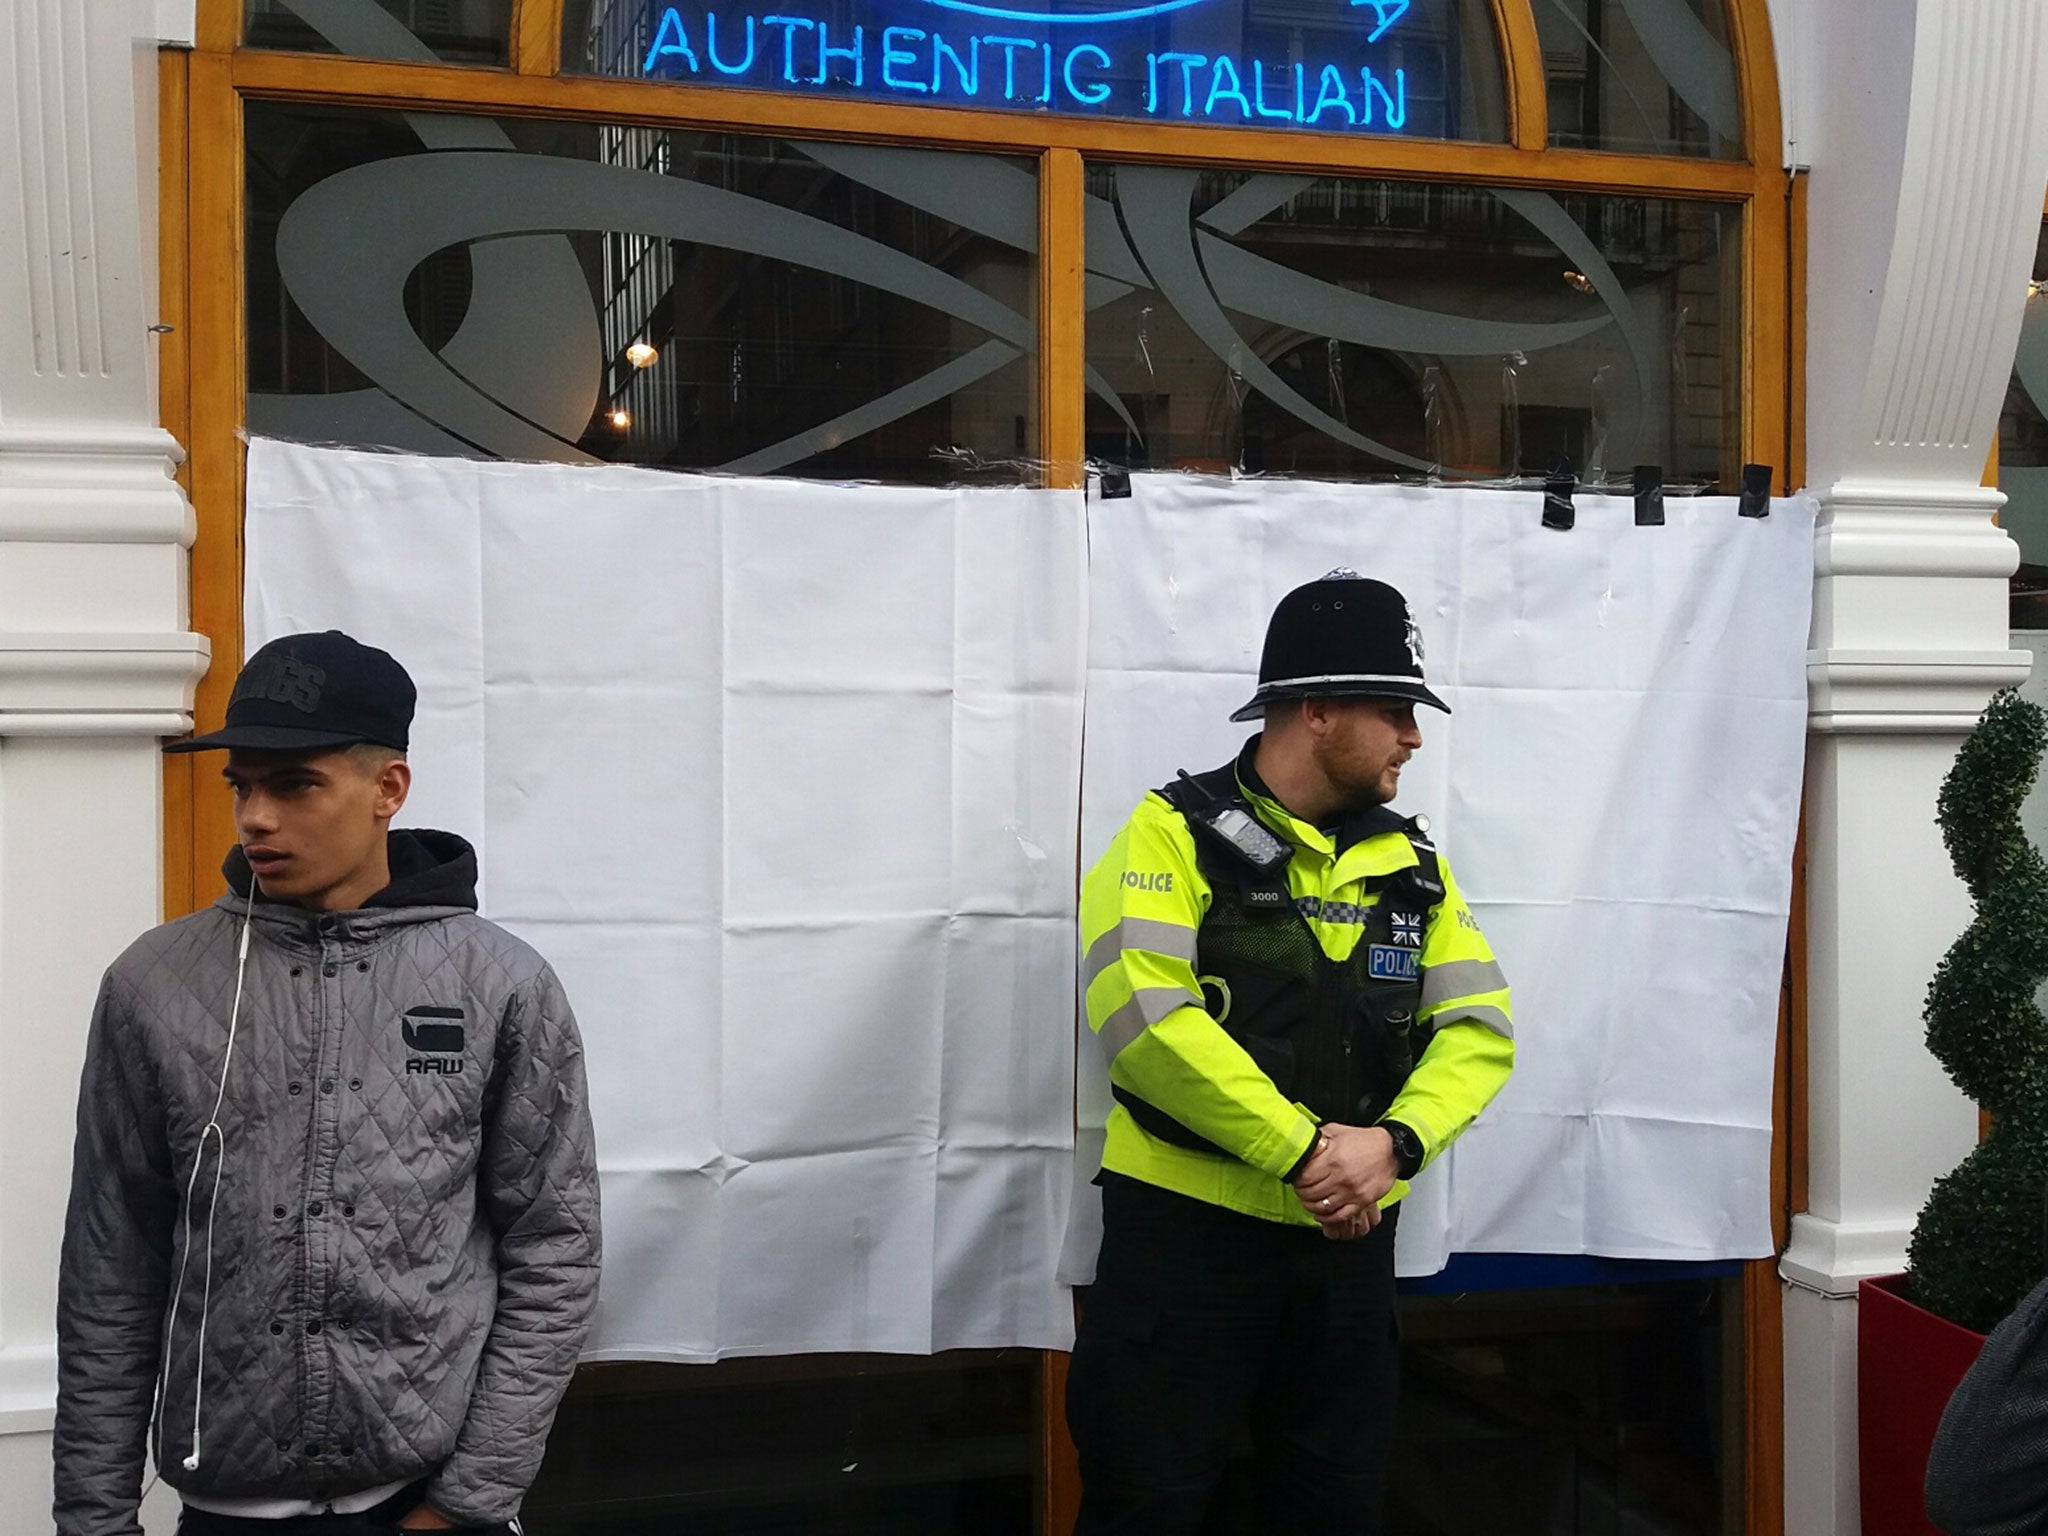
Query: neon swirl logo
(1385,12)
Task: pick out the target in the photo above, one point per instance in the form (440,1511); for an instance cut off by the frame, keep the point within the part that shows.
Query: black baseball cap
(1345,636)
(301,693)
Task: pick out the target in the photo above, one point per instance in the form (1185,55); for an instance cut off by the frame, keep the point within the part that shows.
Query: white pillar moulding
(97,661)
(1929,148)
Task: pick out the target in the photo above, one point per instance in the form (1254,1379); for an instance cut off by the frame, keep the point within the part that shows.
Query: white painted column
(96,660)
(1926,126)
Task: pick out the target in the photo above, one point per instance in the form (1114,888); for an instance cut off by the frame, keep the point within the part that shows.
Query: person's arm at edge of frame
(1138,937)
(537,1186)
(113,1280)
(1471,1051)
(1987,1474)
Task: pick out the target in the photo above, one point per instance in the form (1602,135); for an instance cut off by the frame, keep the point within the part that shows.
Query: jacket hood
(428,869)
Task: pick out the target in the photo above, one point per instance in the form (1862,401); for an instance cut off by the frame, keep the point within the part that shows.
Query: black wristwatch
(1408,1150)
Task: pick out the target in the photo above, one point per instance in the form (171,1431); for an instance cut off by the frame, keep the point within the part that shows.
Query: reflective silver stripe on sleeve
(1460,978)
(1493,1018)
(1148,934)
(1148,1005)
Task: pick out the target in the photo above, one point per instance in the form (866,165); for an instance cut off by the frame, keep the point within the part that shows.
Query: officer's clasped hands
(1345,1178)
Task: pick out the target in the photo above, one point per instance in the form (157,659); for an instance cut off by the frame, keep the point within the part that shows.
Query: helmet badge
(1414,642)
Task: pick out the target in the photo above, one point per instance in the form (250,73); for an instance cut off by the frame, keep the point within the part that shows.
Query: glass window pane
(2023,454)
(452,31)
(1418,68)
(1651,76)
(815,1445)
(578,292)
(1594,1410)
(1359,329)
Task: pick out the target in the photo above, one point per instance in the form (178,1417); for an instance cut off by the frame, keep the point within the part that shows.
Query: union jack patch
(1407,929)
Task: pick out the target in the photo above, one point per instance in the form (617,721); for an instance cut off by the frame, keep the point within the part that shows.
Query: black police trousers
(1202,1321)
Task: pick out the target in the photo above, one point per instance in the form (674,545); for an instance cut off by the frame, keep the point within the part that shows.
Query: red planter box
(1908,1364)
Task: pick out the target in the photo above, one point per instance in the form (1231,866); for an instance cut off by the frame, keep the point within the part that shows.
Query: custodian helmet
(1341,637)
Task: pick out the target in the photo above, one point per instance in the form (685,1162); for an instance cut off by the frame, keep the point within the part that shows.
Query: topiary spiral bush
(1977,1248)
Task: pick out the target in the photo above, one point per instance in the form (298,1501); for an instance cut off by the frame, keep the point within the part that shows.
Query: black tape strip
(1649,496)
(1558,512)
(1756,491)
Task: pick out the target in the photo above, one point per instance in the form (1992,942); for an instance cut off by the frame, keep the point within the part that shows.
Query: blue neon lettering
(1095,91)
(711,46)
(968,69)
(1330,93)
(670,41)
(1219,92)
(827,53)
(1388,11)
(1283,113)
(1084,73)
(1396,105)
(1009,45)
(789,25)
(1055,18)
(1189,63)
(892,56)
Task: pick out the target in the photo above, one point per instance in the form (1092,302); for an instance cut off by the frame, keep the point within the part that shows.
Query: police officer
(1298,1012)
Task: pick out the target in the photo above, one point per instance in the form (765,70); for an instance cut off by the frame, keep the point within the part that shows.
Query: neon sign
(1178,60)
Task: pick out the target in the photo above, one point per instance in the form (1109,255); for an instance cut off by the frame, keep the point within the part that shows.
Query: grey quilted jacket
(405,1248)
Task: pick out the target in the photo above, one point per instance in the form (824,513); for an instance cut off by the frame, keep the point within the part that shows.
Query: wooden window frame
(203,381)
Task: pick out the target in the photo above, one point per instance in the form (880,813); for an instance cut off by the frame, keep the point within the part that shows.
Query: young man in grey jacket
(333,1227)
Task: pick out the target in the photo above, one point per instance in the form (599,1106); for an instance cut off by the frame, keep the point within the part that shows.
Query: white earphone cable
(219,1137)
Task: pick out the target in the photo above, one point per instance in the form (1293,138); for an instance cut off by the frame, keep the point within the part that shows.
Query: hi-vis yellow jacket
(1141,914)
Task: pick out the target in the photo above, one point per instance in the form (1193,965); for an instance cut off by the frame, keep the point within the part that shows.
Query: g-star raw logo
(429,1029)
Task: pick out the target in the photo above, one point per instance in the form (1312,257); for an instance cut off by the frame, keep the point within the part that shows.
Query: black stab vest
(1331,1034)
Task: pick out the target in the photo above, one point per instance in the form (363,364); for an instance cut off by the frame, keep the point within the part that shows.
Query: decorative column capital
(1908,528)
(99,684)
(95,483)
(1909,627)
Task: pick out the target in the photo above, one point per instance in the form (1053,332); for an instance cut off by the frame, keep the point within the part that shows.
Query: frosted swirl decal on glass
(1347,328)
(574,293)
(450,31)
(1650,76)
(2023,453)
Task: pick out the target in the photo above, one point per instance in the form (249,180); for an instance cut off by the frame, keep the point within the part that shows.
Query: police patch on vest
(1136,880)
(1388,962)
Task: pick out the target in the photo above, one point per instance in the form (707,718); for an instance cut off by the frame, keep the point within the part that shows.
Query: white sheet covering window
(1617,791)
(783,779)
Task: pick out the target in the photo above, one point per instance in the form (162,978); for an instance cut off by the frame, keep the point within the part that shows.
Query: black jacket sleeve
(113,1279)
(1988,1472)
